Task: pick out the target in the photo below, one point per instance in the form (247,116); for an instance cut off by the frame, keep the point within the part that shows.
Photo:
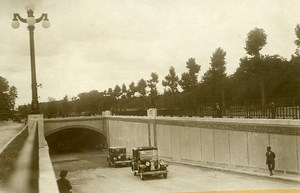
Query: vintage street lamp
(31,20)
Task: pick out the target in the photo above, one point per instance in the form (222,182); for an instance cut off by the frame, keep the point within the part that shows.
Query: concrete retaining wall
(128,134)
(235,142)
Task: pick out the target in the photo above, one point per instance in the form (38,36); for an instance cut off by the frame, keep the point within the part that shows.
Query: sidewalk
(280,175)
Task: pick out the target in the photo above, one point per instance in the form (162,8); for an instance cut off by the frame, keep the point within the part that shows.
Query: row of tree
(8,96)
(259,80)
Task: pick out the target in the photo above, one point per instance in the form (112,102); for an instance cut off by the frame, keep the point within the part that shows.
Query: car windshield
(118,151)
(148,154)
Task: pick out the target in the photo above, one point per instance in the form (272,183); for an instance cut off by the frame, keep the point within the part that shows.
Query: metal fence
(281,112)
(268,112)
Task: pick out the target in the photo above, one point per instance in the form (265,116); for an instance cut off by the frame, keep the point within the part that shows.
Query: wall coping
(47,179)
(283,122)
(68,119)
(270,126)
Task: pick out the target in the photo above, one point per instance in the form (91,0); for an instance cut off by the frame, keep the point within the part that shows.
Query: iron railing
(268,112)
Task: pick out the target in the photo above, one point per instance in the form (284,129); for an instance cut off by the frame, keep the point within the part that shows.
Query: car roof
(121,147)
(145,148)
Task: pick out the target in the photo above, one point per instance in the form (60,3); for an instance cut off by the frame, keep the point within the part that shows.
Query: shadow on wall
(74,140)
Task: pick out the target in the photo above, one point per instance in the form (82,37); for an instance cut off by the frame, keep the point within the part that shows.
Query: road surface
(89,173)
(8,130)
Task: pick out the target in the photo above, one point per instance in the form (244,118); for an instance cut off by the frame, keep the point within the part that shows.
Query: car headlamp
(119,157)
(115,158)
(161,162)
(147,163)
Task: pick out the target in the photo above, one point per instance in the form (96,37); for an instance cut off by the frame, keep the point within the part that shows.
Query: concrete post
(106,126)
(152,113)
(106,113)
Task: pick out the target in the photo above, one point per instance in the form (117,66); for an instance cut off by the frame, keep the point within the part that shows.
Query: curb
(285,178)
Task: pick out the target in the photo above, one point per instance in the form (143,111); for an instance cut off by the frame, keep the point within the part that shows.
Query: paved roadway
(88,173)
(8,130)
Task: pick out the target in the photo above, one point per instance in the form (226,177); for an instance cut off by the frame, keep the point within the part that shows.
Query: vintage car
(145,161)
(117,157)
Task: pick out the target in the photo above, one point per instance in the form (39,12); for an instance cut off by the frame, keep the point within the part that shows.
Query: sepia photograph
(149,96)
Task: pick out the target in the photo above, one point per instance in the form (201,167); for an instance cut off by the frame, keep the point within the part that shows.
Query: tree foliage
(256,40)
(131,90)
(8,96)
(171,81)
(152,85)
(214,79)
(141,87)
(189,80)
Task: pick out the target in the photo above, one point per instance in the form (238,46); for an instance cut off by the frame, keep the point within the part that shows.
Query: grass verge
(9,156)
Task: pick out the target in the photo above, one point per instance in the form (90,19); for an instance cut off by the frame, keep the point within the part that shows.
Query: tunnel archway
(75,139)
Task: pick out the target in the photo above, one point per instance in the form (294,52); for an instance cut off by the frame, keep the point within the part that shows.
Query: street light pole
(31,21)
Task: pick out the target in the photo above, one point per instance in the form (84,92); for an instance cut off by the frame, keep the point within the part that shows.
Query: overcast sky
(97,44)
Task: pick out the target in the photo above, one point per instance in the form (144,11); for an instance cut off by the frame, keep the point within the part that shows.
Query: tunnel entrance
(74,140)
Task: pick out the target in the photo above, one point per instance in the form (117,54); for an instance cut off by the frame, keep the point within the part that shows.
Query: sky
(97,44)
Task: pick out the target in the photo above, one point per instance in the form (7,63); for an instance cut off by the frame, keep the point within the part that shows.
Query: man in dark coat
(64,185)
(270,160)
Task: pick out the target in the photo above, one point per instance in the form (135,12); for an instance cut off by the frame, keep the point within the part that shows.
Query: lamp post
(31,20)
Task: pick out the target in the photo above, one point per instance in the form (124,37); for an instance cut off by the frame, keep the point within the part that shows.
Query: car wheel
(165,175)
(134,173)
(115,165)
(142,177)
(109,164)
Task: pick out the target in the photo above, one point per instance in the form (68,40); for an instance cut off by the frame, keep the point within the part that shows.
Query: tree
(131,90)
(141,89)
(171,89)
(65,105)
(189,79)
(117,91)
(293,79)
(256,40)
(124,91)
(13,95)
(110,92)
(151,83)
(51,107)
(171,81)
(8,95)
(214,78)
(297,41)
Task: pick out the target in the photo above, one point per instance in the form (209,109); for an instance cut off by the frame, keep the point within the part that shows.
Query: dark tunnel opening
(75,140)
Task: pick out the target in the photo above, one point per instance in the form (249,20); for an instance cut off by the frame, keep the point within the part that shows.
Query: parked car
(145,162)
(117,157)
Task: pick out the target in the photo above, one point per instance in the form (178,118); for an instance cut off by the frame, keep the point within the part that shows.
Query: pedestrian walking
(64,185)
(270,161)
